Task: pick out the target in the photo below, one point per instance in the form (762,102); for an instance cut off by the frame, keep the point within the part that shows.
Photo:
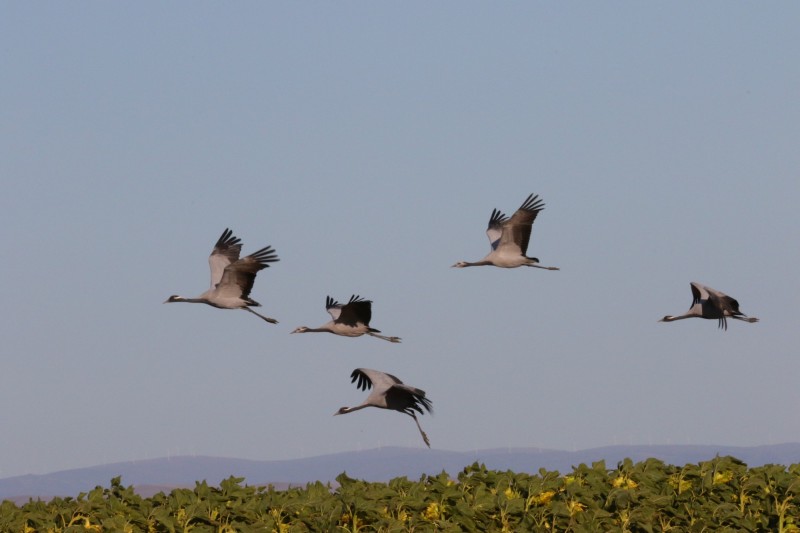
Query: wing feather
(242,273)
(517,230)
(406,398)
(225,252)
(356,311)
(368,378)
(495,228)
(699,292)
(333,307)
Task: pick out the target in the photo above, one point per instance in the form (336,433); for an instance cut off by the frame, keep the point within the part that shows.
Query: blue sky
(368,144)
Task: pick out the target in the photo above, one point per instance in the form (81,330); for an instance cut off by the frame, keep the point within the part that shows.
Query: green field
(722,494)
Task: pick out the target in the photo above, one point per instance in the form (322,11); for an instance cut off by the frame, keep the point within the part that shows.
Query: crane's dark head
(668,318)
(174,298)
(342,411)
(460,264)
(301,329)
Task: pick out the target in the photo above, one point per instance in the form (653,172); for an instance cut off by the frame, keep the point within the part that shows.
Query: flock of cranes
(232,280)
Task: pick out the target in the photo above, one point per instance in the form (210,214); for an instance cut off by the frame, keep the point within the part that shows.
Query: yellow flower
(432,512)
(722,477)
(87,525)
(511,493)
(541,498)
(346,518)
(678,483)
(575,507)
(624,481)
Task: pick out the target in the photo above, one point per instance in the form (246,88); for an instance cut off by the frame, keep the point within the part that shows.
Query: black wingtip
(532,203)
(227,239)
(265,255)
(497,218)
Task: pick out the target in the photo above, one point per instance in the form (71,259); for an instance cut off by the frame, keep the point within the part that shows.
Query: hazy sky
(368,142)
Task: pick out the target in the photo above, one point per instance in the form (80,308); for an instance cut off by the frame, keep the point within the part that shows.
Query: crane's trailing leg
(424,436)
(544,267)
(268,319)
(390,339)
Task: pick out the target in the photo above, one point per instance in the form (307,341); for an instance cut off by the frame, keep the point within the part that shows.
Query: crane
(349,320)
(509,237)
(232,278)
(388,392)
(712,304)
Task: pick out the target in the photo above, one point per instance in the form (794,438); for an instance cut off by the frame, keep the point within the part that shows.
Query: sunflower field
(722,494)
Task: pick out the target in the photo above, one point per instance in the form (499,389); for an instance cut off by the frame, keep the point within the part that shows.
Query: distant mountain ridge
(379,464)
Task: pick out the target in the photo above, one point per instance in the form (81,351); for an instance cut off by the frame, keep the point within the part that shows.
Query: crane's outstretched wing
(408,399)
(356,311)
(495,228)
(517,230)
(699,292)
(241,274)
(368,378)
(723,302)
(225,252)
(333,307)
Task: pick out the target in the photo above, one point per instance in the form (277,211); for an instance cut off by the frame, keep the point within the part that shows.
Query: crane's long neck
(345,410)
(174,299)
(306,329)
(671,318)
(462,264)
